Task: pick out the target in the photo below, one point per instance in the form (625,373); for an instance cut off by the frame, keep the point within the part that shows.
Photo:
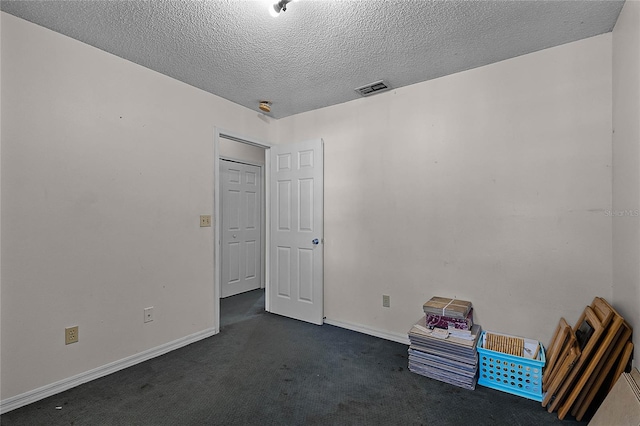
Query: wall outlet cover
(205,221)
(148,314)
(70,335)
(386,301)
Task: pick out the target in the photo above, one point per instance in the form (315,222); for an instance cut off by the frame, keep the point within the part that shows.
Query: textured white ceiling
(317,52)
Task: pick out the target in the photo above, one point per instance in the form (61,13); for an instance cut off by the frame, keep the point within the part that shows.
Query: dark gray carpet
(241,307)
(263,369)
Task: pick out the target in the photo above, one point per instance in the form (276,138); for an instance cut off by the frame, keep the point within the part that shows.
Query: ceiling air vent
(373,88)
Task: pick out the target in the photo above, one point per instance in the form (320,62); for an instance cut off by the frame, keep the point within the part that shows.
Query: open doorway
(241,248)
(293,235)
(240,228)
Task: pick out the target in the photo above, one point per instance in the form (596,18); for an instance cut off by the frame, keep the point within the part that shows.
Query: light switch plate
(386,301)
(205,221)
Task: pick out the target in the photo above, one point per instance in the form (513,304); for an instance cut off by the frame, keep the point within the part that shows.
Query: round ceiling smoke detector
(265,106)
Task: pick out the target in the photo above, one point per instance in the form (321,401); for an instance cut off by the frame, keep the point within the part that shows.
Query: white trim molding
(29,397)
(387,335)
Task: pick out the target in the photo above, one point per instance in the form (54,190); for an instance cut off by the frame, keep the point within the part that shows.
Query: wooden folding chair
(601,372)
(595,326)
(556,347)
(564,365)
(622,363)
(592,359)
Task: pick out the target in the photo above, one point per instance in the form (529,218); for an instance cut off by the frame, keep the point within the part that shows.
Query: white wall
(241,151)
(491,185)
(626,164)
(106,167)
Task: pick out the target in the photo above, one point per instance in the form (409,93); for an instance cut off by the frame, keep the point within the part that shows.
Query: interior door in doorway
(241,227)
(296,245)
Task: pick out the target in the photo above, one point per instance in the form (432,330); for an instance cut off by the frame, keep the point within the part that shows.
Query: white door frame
(217,230)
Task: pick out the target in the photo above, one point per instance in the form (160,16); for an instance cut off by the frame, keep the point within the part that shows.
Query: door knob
(234,236)
(315,241)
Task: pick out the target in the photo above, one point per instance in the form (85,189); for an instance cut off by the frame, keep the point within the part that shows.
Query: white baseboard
(394,337)
(29,397)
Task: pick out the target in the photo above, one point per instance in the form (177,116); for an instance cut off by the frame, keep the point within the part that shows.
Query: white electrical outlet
(148,314)
(71,335)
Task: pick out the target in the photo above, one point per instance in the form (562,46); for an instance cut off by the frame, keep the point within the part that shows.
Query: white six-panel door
(241,260)
(296,245)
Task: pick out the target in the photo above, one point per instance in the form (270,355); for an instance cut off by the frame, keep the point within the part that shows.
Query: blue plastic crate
(512,374)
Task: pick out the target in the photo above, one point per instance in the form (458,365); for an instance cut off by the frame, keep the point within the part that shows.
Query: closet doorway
(292,237)
(241,227)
